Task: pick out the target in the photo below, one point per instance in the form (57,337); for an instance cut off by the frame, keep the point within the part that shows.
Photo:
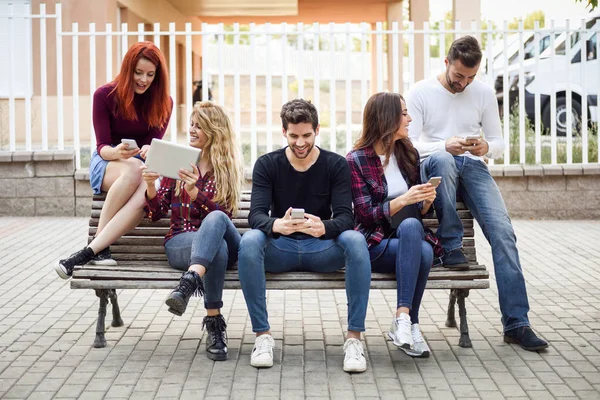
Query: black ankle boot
(216,341)
(189,284)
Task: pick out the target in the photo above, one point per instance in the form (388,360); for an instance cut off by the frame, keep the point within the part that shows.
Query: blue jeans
(215,246)
(471,179)
(259,253)
(410,257)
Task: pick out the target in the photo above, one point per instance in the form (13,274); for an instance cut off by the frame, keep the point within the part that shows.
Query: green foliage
(590,3)
(529,20)
(546,151)
(244,39)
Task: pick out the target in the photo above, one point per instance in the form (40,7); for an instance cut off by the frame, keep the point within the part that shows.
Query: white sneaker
(262,353)
(400,332)
(354,356)
(420,348)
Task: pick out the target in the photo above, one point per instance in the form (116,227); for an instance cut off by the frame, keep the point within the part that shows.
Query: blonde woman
(202,240)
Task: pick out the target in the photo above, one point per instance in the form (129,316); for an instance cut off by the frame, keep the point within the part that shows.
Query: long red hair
(157,104)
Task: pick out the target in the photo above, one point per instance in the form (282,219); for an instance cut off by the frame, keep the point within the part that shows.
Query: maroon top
(186,215)
(110,128)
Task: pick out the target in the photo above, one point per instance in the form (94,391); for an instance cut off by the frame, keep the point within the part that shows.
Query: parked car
(513,65)
(580,82)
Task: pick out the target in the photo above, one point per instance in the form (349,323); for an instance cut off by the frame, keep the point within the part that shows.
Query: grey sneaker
(400,332)
(103,258)
(420,348)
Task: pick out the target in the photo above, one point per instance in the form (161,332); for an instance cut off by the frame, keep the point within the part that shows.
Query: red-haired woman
(136,105)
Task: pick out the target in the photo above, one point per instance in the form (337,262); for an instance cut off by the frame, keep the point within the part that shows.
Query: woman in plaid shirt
(202,240)
(387,194)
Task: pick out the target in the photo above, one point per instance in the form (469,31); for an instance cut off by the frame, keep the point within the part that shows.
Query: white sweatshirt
(437,115)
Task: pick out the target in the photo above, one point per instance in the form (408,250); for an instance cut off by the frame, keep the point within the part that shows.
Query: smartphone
(297,213)
(473,137)
(435,180)
(132,144)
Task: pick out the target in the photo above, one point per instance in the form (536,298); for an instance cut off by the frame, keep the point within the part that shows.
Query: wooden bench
(143,265)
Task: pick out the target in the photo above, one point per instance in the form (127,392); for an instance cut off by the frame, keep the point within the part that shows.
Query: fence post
(59,79)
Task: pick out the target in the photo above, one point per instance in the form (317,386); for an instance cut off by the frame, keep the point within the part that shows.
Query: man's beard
(305,155)
(454,85)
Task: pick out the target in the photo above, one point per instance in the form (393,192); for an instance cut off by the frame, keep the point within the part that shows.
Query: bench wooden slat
(288,276)
(158,241)
(274,285)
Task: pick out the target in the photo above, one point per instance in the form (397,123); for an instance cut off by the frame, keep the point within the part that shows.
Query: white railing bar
(505,103)
(553,143)
(92,86)
(44,78)
(456,30)
(122,49)
(537,100)
(521,98)
(253,133)
(75,93)
(316,73)
(236,87)
(269,91)
(220,63)
(426,52)
(379,59)
(363,78)
(598,91)
(189,100)
(109,55)
(568,94)
(442,43)
(59,79)
(584,95)
(173,83)
(489,54)
(395,59)
(141,32)
(300,60)
(284,76)
(332,91)
(156,33)
(29,89)
(11,91)
(205,65)
(411,54)
(348,91)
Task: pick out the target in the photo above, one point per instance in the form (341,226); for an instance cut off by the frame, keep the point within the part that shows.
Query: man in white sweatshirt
(449,114)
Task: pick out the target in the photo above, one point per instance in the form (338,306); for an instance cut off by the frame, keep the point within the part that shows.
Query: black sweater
(322,190)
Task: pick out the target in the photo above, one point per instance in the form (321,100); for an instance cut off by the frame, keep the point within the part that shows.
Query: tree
(590,3)
(529,20)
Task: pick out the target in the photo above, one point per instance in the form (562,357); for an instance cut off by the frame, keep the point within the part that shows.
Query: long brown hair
(157,106)
(381,121)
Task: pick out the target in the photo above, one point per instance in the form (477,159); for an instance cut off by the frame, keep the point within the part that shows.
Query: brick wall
(45,183)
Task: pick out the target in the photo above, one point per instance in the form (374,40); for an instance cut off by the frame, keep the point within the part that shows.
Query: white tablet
(167,158)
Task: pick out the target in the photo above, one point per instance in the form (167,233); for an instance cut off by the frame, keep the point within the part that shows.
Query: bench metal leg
(117,321)
(458,296)
(100,340)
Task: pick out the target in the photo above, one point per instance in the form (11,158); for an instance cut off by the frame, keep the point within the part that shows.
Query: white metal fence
(537,73)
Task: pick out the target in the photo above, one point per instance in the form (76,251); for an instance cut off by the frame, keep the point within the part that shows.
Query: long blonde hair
(222,151)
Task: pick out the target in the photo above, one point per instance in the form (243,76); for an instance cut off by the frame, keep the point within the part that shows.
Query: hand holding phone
(435,181)
(473,137)
(132,144)
(297,213)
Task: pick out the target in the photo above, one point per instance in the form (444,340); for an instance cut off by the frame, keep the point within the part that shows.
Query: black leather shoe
(216,341)
(456,260)
(525,337)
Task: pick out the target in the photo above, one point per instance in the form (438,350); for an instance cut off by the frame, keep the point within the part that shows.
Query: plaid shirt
(369,190)
(186,215)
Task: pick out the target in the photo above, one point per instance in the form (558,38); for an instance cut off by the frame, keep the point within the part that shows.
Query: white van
(582,82)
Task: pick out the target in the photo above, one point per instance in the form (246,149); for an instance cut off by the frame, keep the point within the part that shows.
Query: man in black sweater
(303,176)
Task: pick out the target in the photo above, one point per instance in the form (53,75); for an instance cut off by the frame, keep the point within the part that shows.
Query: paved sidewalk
(46,332)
